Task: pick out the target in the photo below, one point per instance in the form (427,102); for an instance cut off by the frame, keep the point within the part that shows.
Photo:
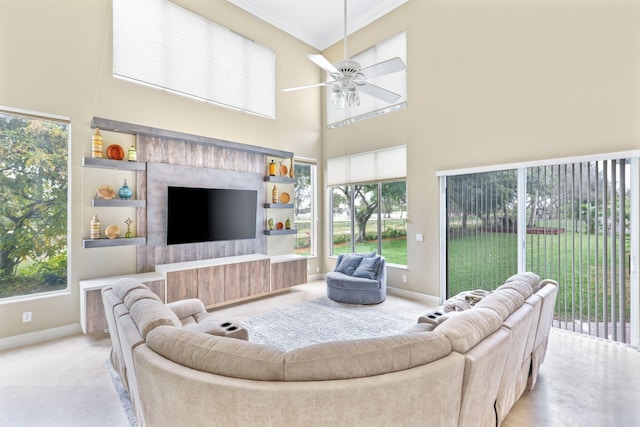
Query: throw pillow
(368,268)
(349,264)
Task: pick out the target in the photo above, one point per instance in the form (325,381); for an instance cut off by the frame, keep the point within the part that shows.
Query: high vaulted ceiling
(319,23)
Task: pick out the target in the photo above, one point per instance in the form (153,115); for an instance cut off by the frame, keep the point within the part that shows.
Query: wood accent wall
(192,164)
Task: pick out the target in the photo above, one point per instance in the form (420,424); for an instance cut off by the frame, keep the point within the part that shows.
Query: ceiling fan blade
(378,92)
(385,67)
(289,89)
(323,63)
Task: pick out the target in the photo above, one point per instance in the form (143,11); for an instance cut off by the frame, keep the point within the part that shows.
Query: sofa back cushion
(148,314)
(468,328)
(504,302)
(126,284)
(363,358)
(217,355)
(137,294)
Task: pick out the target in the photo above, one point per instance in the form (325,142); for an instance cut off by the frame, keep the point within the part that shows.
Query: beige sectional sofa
(466,369)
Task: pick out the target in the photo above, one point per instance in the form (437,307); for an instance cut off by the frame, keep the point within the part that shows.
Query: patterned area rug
(125,400)
(322,320)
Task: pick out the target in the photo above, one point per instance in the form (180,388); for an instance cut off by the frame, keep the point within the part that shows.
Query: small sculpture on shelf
(128,234)
(270,223)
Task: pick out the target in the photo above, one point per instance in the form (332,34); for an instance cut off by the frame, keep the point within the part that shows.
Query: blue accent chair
(364,284)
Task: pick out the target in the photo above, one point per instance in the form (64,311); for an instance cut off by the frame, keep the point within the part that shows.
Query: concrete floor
(583,382)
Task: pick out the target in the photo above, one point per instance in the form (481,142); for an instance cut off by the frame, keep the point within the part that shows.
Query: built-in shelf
(118,203)
(280,179)
(105,243)
(113,164)
(279,205)
(280,232)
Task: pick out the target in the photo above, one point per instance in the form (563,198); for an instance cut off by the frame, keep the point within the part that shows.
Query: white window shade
(159,43)
(395,46)
(380,165)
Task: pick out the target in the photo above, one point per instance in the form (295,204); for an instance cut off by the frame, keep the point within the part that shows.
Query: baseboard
(39,336)
(427,299)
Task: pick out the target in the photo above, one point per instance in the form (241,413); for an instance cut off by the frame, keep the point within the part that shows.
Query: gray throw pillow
(349,264)
(368,268)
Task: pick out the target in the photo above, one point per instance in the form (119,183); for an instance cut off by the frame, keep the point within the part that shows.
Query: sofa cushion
(532,279)
(122,286)
(504,302)
(217,355)
(363,358)
(349,263)
(137,294)
(522,286)
(468,328)
(148,314)
(368,268)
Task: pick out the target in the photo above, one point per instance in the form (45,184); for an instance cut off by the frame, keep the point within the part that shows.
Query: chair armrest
(186,307)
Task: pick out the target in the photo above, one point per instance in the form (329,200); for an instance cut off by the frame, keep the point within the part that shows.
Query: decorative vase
(125,192)
(133,154)
(270,223)
(96,144)
(274,195)
(287,224)
(95,227)
(272,168)
(291,175)
(128,234)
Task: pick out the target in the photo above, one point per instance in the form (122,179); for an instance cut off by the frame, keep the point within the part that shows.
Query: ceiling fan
(348,78)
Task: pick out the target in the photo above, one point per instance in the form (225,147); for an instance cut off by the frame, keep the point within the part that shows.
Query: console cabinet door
(182,284)
(211,285)
(288,273)
(246,279)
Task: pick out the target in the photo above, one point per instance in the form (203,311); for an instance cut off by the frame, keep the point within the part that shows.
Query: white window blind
(395,46)
(159,43)
(380,165)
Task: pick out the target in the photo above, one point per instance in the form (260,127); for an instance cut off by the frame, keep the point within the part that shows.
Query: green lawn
(476,263)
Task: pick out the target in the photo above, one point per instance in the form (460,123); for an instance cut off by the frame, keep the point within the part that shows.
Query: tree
(33,189)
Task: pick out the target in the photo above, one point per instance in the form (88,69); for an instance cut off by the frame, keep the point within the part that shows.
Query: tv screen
(210,214)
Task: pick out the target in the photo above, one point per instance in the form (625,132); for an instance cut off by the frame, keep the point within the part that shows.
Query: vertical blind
(575,222)
(395,46)
(159,43)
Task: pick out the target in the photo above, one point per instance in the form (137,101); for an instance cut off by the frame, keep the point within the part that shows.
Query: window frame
(60,119)
(352,207)
(313,213)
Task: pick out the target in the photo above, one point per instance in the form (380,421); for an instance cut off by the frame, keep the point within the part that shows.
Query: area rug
(125,400)
(322,320)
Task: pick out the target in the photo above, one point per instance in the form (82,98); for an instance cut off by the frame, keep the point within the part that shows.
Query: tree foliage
(33,189)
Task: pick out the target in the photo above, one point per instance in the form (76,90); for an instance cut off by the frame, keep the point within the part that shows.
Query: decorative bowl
(115,152)
(106,192)
(285,197)
(279,226)
(112,231)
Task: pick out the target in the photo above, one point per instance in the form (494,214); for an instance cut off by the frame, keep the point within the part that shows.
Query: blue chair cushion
(349,264)
(368,268)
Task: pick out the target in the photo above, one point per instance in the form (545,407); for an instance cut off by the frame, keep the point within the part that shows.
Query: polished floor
(583,382)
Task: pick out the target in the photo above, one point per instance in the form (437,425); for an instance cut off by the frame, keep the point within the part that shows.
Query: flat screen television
(210,214)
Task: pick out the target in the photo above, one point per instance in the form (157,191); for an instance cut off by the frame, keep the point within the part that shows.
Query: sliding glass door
(575,223)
